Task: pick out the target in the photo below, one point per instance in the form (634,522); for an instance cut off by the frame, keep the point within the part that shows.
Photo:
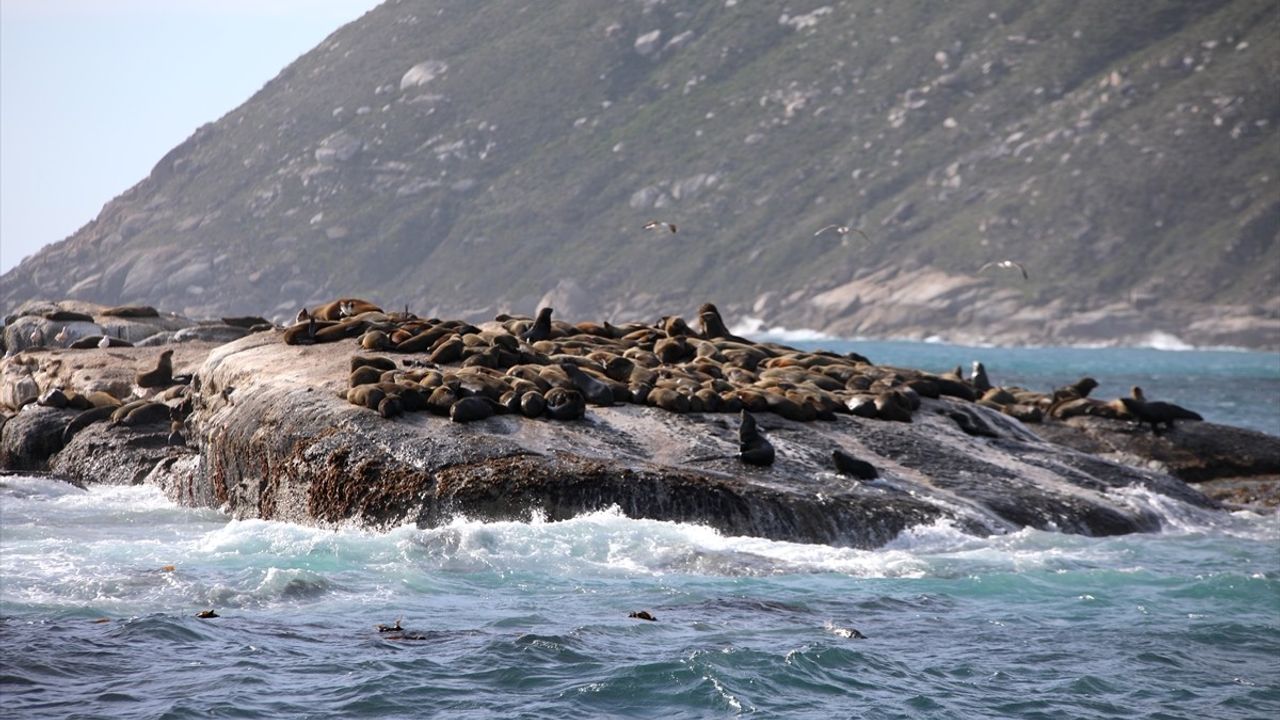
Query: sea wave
(757,329)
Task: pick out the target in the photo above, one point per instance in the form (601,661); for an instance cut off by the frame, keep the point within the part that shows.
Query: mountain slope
(471,158)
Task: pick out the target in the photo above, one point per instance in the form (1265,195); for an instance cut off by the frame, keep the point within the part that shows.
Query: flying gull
(655,224)
(843,230)
(1006,265)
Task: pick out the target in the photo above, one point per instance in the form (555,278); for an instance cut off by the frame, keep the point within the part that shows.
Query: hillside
(470,158)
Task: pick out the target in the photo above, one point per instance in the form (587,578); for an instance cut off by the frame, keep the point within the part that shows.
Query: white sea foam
(609,543)
(1177,517)
(56,554)
(754,328)
(1160,340)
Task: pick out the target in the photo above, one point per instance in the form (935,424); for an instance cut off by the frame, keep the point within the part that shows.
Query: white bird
(63,336)
(105,342)
(654,224)
(1006,265)
(843,230)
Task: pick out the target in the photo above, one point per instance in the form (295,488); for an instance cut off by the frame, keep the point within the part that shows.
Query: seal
(304,333)
(375,361)
(206,614)
(248,322)
(851,466)
(441,400)
(131,311)
(448,351)
(344,308)
(390,406)
(565,404)
(753,447)
(175,432)
(1155,413)
(595,391)
(1079,389)
(978,378)
(85,419)
(541,328)
(893,405)
(470,409)
(161,376)
(364,375)
(146,414)
(532,404)
(368,396)
(642,615)
(89,342)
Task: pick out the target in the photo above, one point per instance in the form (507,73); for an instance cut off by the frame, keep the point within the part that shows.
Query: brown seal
(343,308)
(595,391)
(131,311)
(161,376)
(532,404)
(713,327)
(368,396)
(146,414)
(85,419)
(364,375)
(390,406)
(565,404)
(470,409)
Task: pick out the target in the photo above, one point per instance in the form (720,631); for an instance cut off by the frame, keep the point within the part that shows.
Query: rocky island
(358,415)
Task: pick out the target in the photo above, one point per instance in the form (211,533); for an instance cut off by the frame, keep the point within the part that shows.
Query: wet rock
(1192,451)
(126,456)
(31,437)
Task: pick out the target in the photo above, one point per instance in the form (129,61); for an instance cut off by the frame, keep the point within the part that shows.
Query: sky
(94,92)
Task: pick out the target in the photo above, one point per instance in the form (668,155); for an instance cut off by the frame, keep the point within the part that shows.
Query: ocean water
(1225,386)
(99,590)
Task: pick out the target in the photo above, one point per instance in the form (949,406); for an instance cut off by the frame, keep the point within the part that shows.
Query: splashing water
(530,619)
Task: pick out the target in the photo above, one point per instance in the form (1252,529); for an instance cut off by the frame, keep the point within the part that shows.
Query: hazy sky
(94,92)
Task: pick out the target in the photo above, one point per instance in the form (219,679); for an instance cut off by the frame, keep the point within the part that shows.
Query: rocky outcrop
(29,438)
(1193,451)
(272,435)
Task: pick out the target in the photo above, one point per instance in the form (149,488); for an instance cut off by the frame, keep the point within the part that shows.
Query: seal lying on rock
(565,404)
(343,308)
(851,466)
(85,419)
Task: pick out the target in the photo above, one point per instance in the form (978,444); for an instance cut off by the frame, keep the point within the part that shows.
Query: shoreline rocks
(270,434)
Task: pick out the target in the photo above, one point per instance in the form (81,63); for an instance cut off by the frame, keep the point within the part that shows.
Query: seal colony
(540,367)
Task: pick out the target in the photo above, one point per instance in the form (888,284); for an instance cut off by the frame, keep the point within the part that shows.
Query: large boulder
(32,436)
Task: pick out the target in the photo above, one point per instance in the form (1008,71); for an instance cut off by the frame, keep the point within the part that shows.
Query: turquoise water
(530,619)
(1232,387)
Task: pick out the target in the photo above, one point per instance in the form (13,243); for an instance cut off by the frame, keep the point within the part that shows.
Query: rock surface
(272,436)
